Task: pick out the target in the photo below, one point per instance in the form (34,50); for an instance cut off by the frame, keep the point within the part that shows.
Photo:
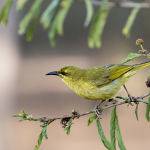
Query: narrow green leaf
(32,14)
(58,21)
(53,34)
(136,112)
(62,13)
(5,10)
(113,128)
(97,25)
(130,21)
(131,56)
(30,30)
(68,127)
(91,119)
(20,4)
(119,136)
(147,114)
(49,13)
(42,135)
(106,143)
(89,10)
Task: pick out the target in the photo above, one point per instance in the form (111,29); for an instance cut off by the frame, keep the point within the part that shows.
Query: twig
(125,4)
(75,115)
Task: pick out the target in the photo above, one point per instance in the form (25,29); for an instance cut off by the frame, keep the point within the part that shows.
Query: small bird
(98,83)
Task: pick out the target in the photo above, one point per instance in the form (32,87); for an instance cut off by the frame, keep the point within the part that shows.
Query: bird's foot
(131,99)
(98,110)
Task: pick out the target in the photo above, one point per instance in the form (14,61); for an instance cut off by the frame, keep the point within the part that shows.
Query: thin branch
(125,4)
(75,115)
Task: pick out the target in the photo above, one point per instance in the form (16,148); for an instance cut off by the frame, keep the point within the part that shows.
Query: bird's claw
(129,101)
(98,111)
(132,99)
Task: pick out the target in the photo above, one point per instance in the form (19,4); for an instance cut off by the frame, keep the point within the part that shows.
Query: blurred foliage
(52,18)
(97,25)
(89,10)
(57,22)
(20,4)
(27,23)
(130,21)
(4,13)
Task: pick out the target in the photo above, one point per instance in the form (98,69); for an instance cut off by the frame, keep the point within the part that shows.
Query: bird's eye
(64,73)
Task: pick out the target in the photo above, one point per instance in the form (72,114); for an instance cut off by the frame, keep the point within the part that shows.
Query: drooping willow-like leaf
(4,13)
(54,15)
(147,114)
(130,21)
(97,25)
(30,30)
(31,15)
(103,138)
(49,13)
(119,136)
(20,4)
(58,21)
(113,128)
(42,135)
(89,10)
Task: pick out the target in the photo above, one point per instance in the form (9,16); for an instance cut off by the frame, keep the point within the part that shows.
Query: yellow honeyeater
(97,83)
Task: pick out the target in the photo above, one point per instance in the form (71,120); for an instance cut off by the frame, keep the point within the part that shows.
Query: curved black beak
(55,73)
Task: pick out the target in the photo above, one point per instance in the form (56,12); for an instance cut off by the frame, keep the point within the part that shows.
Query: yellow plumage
(98,83)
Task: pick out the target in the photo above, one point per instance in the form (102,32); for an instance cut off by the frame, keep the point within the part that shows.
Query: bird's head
(68,72)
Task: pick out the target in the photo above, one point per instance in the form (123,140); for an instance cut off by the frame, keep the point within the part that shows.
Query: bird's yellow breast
(92,92)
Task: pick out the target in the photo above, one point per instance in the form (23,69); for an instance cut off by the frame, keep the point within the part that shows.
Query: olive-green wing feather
(103,75)
(117,71)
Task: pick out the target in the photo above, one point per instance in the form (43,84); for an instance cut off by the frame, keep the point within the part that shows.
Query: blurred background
(24,86)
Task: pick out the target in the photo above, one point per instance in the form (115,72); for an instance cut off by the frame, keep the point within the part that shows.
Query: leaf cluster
(53,16)
(115,133)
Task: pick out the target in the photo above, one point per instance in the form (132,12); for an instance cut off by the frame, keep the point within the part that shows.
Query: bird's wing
(103,75)
(117,71)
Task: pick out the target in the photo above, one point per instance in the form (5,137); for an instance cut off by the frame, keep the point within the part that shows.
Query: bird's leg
(129,96)
(98,109)
(98,113)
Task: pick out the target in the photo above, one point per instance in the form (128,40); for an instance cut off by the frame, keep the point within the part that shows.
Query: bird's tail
(136,68)
(141,66)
